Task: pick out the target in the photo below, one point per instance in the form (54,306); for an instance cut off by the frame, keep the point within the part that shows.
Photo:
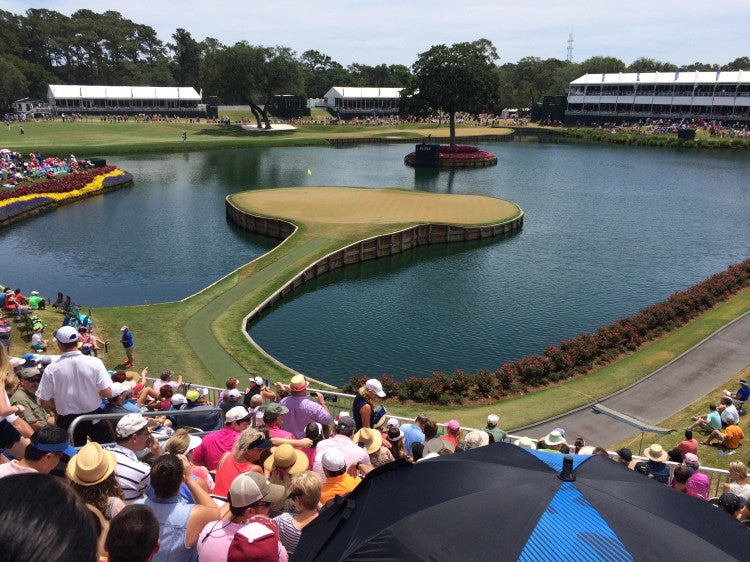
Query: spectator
(552,442)
(417,451)
(728,412)
(47,448)
(34,506)
(303,410)
(452,427)
(656,466)
(495,432)
(342,442)
(91,473)
(116,402)
(25,396)
(133,535)
(680,480)
(245,456)
(687,445)
(231,384)
(230,399)
(371,441)
(132,435)
(215,444)
(165,379)
(182,443)
(625,456)
(314,434)
(337,482)
(200,416)
(283,464)
(432,443)
(742,394)
(364,412)
(731,503)
(14,432)
(250,499)
(127,343)
(730,438)
(476,439)
(709,422)
(36,302)
(305,492)
(414,432)
(273,418)
(395,438)
(258,387)
(738,481)
(698,482)
(179,522)
(73,386)
(38,343)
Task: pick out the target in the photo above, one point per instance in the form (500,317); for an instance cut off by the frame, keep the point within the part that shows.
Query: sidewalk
(665,392)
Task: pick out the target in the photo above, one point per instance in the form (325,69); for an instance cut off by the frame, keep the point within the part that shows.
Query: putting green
(325,206)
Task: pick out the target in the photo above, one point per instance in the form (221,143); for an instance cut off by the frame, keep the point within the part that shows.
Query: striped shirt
(131,473)
(289,535)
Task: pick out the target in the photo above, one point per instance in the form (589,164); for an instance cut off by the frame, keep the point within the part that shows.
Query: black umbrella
(503,502)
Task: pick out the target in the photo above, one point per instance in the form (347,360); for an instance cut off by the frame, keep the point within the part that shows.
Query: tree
(701,67)
(461,77)
(187,58)
(740,63)
(13,84)
(646,64)
(600,65)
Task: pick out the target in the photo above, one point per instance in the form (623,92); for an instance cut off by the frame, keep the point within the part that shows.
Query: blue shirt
(127,339)
(412,434)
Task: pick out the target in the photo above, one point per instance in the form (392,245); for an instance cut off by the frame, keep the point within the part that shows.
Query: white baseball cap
(178,399)
(257,380)
(120,388)
(375,386)
(129,424)
(66,334)
(333,460)
(238,413)
(492,419)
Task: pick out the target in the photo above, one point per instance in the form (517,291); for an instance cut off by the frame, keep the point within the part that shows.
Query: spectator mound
(459,156)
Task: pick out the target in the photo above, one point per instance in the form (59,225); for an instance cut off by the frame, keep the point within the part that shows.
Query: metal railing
(155,414)
(338,402)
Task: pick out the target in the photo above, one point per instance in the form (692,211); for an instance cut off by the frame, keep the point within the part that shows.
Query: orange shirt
(338,486)
(732,436)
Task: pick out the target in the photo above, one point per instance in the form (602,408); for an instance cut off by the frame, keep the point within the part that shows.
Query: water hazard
(607,231)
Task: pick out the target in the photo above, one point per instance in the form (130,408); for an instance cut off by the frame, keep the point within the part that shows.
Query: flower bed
(572,356)
(21,200)
(459,156)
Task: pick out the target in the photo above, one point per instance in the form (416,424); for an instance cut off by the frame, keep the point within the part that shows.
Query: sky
(395,32)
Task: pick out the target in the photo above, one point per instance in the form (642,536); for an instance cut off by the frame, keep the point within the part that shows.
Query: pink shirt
(215,538)
(12,467)
(214,445)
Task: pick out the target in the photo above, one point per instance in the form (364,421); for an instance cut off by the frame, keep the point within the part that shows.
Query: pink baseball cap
(453,425)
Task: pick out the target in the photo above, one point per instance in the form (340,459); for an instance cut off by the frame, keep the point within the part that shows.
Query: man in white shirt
(353,454)
(74,385)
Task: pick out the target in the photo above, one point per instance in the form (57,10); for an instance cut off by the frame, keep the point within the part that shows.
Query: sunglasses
(35,379)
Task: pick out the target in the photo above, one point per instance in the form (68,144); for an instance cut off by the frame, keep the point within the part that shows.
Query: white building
(349,102)
(124,99)
(627,96)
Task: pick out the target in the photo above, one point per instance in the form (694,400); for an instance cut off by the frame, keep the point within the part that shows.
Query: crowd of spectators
(261,472)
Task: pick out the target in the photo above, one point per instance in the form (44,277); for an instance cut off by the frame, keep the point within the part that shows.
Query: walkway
(199,328)
(665,392)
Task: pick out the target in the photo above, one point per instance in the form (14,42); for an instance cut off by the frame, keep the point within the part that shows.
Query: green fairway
(96,137)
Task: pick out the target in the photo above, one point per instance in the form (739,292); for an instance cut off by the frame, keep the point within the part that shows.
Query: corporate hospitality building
(346,102)
(716,95)
(125,100)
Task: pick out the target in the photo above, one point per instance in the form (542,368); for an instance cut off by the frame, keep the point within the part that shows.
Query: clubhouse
(723,96)
(125,100)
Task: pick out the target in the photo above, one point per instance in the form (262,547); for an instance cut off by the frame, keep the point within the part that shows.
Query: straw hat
(526,442)
(656,453)
(92,465)
(288,458)
(372,439)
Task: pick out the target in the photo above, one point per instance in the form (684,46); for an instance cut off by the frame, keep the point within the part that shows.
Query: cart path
(668,390)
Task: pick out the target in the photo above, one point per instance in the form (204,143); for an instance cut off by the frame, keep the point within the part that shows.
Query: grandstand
(346,102)
(632,96)
(125,100)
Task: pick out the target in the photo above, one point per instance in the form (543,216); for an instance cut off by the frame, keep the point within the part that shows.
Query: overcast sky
(394,32)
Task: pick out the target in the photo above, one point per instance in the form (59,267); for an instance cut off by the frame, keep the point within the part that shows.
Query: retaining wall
(364,250)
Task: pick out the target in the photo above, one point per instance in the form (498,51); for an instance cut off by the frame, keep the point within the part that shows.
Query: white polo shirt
(74,382)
